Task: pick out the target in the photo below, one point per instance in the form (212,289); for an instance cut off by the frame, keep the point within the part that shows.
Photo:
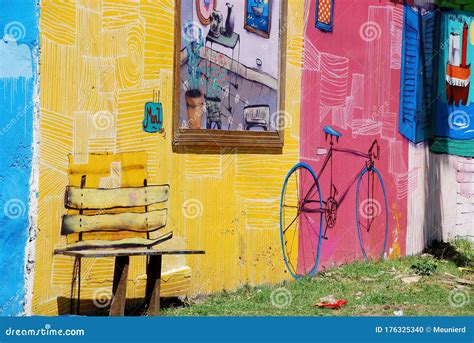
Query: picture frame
(254,10)
(204,14)
(251,137)
(324,15)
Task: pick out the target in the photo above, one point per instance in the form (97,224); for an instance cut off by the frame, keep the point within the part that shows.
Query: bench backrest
(101,201)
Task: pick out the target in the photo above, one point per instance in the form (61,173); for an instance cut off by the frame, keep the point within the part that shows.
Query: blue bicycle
(306,217)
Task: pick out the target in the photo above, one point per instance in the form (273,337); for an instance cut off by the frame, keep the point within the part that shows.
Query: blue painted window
(418,74)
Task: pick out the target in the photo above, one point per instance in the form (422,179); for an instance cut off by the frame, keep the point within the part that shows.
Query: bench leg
(153,280)
(76,277)
(119,288)
(78,287)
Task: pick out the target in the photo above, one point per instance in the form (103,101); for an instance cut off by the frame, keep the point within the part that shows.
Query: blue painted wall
(455,121)
(18,76)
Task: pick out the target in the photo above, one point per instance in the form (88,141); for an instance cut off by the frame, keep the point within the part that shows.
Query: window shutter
(418,74)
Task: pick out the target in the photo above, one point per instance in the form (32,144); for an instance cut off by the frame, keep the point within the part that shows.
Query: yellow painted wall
(100,62)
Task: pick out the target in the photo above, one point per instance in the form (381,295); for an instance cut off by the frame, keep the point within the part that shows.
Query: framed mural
(229,80)
(324,14)
(204,9)
(258,17)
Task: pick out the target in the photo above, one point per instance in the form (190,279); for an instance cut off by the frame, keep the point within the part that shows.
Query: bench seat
(100,253)
(91,213)
(135,242)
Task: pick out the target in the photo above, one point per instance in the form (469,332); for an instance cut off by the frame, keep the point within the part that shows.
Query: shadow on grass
(448,251)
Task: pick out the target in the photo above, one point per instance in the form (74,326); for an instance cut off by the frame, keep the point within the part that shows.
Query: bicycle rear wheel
(371,214)
(301,221)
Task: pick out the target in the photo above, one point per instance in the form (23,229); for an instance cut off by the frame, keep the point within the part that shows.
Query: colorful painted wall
(351,82)
(440,205)
(100,63)
(18,86)
(435,94)
(454,109)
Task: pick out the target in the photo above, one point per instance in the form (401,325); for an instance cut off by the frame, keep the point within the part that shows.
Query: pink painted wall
(351,81)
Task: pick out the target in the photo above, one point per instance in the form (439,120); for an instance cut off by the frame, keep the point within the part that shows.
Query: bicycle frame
(311,201)
(333,190)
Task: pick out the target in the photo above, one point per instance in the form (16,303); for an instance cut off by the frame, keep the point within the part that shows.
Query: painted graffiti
(153,121)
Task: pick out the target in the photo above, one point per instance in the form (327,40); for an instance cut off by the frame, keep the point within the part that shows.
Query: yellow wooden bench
(99,205)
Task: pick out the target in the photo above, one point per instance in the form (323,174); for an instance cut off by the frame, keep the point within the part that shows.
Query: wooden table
(122,261)
(229,42)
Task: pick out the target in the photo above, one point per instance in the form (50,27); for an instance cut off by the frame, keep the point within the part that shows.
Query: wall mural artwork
(94,122)
(153,115)
(204,10)
(230,74)
(324,14)
(346,198)
(436,94)
(454,119)
(85,152)
(306,210)
(258,17)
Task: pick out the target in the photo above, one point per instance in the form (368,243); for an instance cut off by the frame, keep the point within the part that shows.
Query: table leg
(152,293)
(230,79)
(119,288)
(208,65)
(238,64)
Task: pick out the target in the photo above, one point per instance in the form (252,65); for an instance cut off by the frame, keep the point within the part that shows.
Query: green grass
(371,288)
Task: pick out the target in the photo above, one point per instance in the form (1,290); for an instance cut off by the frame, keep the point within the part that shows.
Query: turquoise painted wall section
(454,120)
(18,77)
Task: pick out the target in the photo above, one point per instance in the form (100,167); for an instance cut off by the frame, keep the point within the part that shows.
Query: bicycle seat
(328,130)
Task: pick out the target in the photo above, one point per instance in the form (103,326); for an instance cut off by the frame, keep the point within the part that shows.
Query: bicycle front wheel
(301,221)
(371,214)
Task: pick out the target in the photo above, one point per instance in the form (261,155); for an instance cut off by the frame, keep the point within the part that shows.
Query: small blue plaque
(153,117)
